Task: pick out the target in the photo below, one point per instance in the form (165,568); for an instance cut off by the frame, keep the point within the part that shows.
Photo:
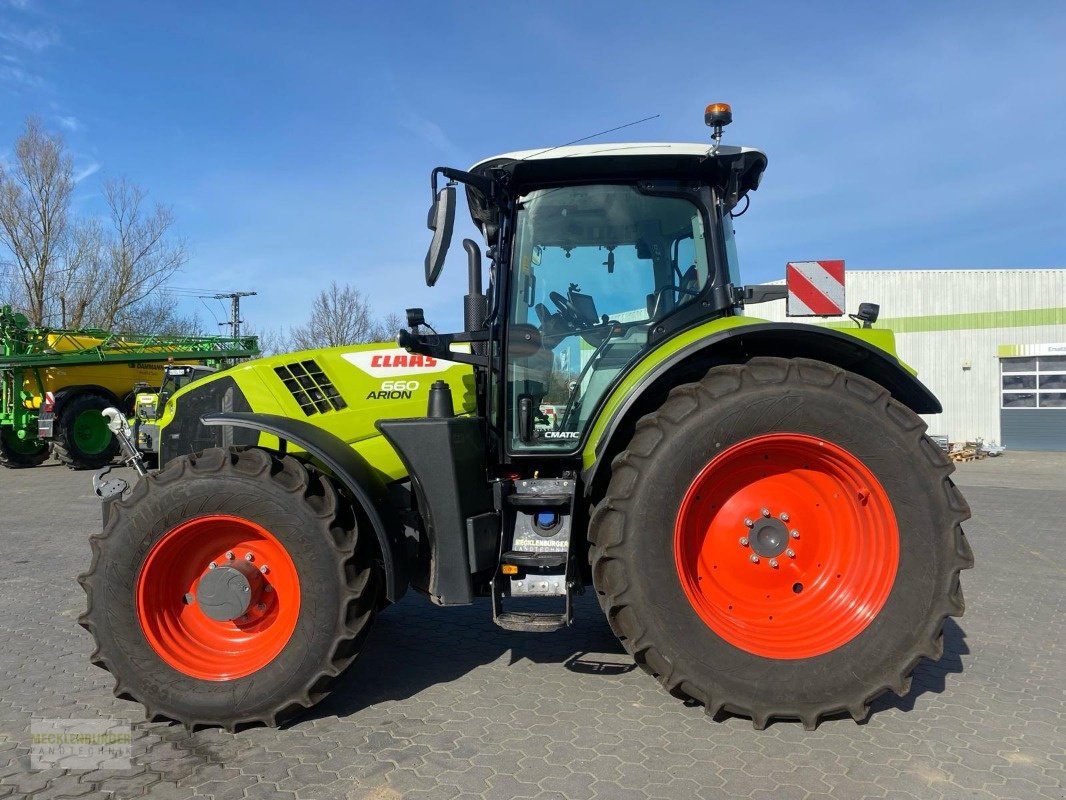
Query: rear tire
(17,453)
(150,619)
(82,439)
(696,606)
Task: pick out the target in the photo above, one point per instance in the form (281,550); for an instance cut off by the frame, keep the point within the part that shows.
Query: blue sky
(295,142)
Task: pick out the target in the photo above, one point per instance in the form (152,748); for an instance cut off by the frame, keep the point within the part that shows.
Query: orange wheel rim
(172,614)
(786,546)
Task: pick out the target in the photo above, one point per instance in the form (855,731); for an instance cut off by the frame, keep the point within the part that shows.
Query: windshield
(177,379)
(595,266)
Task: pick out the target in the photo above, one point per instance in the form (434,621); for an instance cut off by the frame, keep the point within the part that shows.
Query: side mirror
(441,221)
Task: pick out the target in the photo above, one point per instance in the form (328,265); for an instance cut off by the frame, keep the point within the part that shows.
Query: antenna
(593,136)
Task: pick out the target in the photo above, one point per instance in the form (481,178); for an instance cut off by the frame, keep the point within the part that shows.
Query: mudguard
(866,352)
(348,467)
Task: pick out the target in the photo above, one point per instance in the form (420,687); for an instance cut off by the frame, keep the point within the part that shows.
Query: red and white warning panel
(815,288)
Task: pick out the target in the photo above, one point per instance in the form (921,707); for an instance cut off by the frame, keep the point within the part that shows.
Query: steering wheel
(566,308)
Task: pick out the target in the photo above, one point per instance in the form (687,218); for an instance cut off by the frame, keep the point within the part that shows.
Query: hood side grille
(310,387)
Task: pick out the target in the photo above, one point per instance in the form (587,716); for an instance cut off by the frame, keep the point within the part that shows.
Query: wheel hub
(218,597)
(818,545)
(226,593)
(768,537)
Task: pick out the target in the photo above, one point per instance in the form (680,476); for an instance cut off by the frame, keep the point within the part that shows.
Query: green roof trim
(973,320)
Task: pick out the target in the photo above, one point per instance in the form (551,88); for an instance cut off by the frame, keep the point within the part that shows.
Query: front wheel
(232,588)
(812,547)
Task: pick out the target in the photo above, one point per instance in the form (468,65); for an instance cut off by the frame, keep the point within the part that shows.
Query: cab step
(535,563)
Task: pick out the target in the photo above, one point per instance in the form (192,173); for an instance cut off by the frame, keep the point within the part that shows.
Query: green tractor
(767,527)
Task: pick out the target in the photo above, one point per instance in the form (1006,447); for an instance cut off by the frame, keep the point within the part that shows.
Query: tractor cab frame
(642,232)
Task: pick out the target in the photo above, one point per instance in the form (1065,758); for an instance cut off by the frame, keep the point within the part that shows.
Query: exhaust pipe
(475,304)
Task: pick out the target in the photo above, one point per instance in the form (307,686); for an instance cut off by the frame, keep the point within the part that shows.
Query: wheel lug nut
(766,512)
(773,563)
(268,588)
(754,559)
(249,557)
(795,534)
(264,569)
(748,522)
(743,541)
(783,516)
(229,555)
(212,565)
(790,553)
(189,598)
(260,606)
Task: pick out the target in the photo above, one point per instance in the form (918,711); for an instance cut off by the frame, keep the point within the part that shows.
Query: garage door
(1033,401)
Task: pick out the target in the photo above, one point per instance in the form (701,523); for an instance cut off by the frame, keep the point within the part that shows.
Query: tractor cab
(599,252)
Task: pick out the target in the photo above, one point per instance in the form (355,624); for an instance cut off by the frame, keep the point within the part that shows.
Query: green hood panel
(345,390)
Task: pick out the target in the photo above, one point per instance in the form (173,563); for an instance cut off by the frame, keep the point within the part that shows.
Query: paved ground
(443,704)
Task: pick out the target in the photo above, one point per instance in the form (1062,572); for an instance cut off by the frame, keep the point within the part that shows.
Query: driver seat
(657,305)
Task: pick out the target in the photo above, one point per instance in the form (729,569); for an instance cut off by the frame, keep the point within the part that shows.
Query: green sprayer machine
(54,384)
(768,529)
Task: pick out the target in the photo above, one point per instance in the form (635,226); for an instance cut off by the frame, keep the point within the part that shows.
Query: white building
(990,343)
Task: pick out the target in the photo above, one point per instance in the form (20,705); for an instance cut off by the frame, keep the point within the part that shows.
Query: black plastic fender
(739,344)
(348,467)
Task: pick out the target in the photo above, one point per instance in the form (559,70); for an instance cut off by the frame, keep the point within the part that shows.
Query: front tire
(811,550)
(208,655)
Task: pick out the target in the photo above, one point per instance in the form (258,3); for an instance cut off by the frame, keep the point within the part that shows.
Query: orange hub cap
(218,597)
(786,545)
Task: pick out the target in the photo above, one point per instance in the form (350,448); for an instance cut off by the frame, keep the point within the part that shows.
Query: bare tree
(140,254)
(339,315)
(86,272)
(386,329)
(272,341)
(80,281)
(34,207)
(158,315)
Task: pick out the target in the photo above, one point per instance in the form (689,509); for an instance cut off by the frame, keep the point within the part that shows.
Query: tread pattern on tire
(608,523)
(356,564)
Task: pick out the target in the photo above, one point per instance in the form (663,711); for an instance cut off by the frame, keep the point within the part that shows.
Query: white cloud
(10,73)
(33,39)
(71,123)
(85,172)
(429,132)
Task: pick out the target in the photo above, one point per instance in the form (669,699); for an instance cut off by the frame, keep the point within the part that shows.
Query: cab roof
(622,161)
(617,149)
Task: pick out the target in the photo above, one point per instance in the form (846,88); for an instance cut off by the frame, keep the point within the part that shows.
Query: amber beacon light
(718,115)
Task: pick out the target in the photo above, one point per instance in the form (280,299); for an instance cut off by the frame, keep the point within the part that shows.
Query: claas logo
(403,360)
(394,362)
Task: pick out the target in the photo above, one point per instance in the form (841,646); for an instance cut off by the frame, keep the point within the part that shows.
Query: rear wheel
(82,439)
(16,453)
(232,588)
(811,549)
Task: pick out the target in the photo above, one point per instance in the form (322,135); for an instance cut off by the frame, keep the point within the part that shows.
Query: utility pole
(235,310)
